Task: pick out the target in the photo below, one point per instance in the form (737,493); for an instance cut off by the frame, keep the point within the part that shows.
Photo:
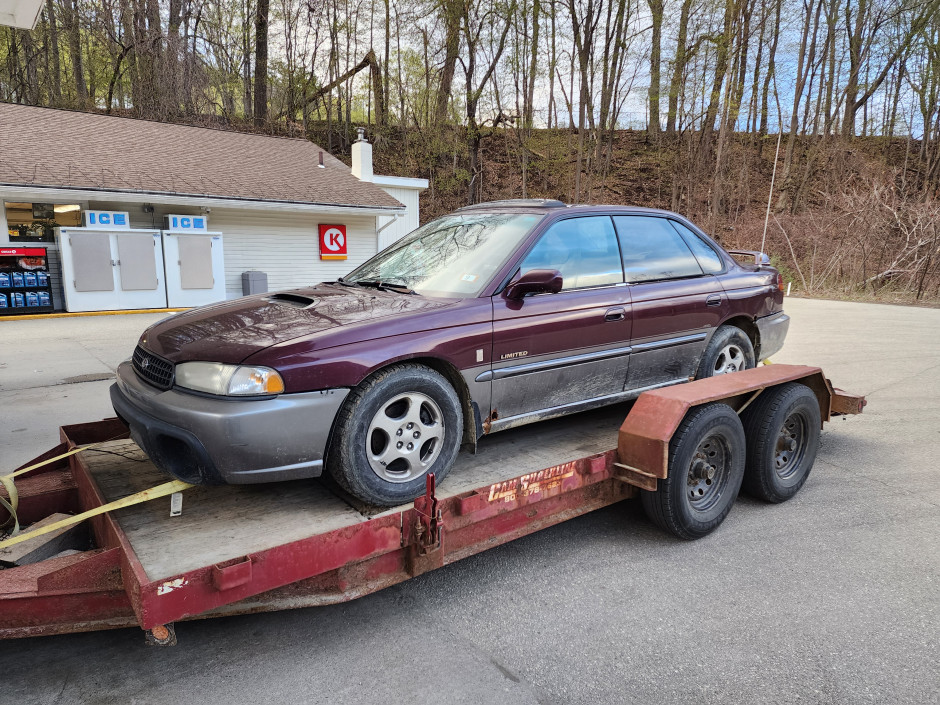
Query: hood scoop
(295,300)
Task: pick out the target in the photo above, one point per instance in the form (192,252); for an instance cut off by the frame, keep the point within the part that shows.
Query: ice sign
(195,223)
(107,219)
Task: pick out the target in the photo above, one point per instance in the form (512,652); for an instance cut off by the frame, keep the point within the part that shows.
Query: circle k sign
(332,241)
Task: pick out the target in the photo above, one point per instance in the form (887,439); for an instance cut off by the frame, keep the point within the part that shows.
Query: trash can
(254,282)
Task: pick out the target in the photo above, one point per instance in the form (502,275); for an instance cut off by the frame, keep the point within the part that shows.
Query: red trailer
(254,548)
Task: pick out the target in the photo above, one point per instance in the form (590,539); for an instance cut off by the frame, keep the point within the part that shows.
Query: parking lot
(830,598)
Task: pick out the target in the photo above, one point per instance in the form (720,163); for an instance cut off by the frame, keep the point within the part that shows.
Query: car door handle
(615,314)
(713,300)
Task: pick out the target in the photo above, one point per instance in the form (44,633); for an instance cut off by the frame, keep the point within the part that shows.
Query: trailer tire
(782,429)
(729,350)
(706,466)
(400,424)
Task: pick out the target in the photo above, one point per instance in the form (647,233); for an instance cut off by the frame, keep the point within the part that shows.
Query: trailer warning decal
(533,483)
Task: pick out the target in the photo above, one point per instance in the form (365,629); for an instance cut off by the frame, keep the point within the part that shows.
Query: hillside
(857,221)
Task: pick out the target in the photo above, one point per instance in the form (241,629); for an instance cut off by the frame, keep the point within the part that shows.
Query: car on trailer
(492,317)
(238,549)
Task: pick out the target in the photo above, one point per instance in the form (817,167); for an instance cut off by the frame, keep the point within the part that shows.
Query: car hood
(231,331)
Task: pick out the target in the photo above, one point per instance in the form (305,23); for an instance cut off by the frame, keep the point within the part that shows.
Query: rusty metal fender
(643,442)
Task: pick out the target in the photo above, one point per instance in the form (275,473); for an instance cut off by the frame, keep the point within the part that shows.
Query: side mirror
(535,281)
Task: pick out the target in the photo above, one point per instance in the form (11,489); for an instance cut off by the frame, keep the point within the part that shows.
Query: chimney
(362,157)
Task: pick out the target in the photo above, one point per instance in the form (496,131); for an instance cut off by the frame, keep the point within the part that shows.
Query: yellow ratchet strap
(163,490)
(13,502)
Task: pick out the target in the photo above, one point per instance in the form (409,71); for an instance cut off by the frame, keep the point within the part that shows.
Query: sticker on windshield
(468,278)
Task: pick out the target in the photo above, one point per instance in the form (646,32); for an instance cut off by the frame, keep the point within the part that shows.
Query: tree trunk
(56,68)
(803,68)
(678,67)
(451,10)
(75,53)
(721,68)
(771,68)
(657,8)
(247,106)
(261,63)
(533,65)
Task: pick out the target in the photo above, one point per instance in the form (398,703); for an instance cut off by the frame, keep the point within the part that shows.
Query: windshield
(454,256)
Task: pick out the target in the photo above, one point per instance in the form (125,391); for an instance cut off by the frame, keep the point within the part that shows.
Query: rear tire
(396,427)
(729,350)
(782,428)
(706,466)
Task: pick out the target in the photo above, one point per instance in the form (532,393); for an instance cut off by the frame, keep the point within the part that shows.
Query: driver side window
(584,250)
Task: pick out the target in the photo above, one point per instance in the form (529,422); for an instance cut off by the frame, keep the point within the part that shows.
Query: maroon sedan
(494,316)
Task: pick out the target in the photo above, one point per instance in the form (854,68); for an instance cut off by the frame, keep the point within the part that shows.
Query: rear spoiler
(760,258)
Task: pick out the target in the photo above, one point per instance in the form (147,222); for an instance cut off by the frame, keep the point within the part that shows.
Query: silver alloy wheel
(405,437)
(730,359)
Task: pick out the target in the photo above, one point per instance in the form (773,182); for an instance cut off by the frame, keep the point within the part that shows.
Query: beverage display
(25,285)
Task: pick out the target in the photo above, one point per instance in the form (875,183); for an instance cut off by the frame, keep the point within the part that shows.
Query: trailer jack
(427,531)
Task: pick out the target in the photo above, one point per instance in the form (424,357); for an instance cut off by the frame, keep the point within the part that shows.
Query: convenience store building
(133,214)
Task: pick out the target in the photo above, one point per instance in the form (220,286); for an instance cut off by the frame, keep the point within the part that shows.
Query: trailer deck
(239,549)
(221,523)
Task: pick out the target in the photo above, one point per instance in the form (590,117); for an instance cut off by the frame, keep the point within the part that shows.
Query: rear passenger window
(584,250)
(653,249)
(707,257)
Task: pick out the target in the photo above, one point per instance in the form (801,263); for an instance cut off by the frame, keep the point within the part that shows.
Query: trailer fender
(643,441)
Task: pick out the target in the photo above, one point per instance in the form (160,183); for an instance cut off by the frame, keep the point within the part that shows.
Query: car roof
(553,206)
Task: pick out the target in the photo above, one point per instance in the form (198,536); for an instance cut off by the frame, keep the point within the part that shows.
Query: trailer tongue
(252,548)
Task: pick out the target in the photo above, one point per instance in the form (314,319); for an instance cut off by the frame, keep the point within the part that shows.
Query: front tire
(706,466)
(397,426)
(729,350)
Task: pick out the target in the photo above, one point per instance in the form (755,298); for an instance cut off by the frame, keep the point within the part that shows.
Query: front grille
(153,369)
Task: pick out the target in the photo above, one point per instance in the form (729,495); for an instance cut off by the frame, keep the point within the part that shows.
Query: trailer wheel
(393,429)
(706,465)
(729,350)
(782,430)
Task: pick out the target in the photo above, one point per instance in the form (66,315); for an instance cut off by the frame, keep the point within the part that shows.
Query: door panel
(551,350)
(555,349)
(675,304)
(671,323)
(195,262)
(91,258)
(138,262)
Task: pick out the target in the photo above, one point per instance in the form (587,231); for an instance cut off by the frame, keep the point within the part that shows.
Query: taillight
(779,281)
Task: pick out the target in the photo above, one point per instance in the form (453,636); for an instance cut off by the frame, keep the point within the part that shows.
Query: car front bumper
(207,440)
(773,331)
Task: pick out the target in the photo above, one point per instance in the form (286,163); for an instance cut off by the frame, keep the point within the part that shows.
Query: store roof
(42,147)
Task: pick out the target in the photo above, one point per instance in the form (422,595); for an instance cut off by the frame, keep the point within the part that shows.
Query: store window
(36,222)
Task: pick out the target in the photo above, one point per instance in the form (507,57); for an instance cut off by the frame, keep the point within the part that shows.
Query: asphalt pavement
(832,597)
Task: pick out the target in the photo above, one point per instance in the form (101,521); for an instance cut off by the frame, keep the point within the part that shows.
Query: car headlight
(228,380)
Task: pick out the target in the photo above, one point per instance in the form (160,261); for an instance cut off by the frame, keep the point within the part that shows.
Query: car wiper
(346,283)
(386,286)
